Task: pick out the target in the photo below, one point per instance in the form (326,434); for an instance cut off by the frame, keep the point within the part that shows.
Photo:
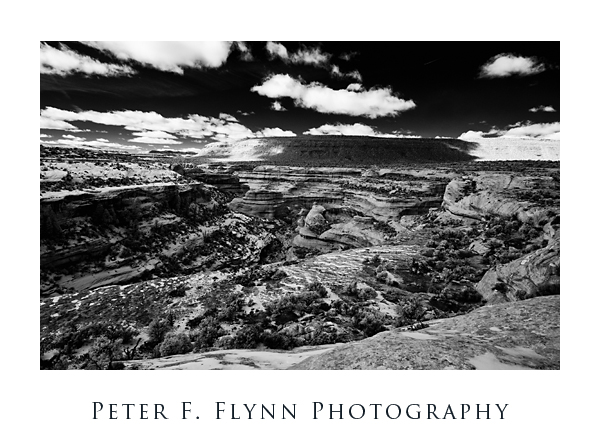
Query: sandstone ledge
(516,335)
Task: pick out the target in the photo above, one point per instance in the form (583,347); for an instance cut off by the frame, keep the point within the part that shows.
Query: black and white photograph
(299,205)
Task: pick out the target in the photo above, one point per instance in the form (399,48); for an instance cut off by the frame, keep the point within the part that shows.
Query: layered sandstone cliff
(276,189)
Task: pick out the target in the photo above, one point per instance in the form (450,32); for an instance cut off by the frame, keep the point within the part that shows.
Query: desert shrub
(246,279)
(223,304)
(367,293)
(277,340)
(278,275)
(59,361)
(521,294)
(375,261)
(320,336)
(462,295)
(175,343)
(393,295)
(116,365)
(179,291)
(291,304)
(225,342)
(318,288)
(369,322)
(157,330)
(247,337)
(193,323)
(431,243)
(73,338)
(340,306)
(232,305)
(409,311)
(447,303)
(102,353)
(207,332)
(550,288)
(350,290)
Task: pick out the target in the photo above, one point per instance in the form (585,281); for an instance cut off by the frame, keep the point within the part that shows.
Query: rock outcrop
(516,335)
(357,232)
(69,204)
(498,194)
(258,203)
(223,181)
(276,190)
(315,221)
(532,275)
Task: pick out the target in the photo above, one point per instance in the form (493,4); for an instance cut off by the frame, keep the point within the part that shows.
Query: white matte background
(53,406)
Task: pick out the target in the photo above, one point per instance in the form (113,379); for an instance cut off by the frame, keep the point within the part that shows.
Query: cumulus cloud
(153,128)
(339,129)
(370,103)
(355,129)
(228,117)
(155,141)
(518,130)
(167,55)
(49,123)
(65,61)
(348,55)
(233,131)
(277,50)
(506,65)
(304,55)
(45,136)
(310,56)
(154,134)
(354,87)
(276,106)
(335,72)
(536,130)
(472,135)
(245,55)
(79,142)
(355,75)
(72,137)
(193,125)
(543,108)
(275,132)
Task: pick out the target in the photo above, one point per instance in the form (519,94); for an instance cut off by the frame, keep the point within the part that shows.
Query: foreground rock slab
(233,359)
(516,335)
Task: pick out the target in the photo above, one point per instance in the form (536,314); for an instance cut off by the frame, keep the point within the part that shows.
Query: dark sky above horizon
(182,95)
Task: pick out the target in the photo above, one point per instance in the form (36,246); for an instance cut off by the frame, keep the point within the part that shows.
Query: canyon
(150,260)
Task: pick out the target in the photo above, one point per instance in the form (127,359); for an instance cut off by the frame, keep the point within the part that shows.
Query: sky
(142,96)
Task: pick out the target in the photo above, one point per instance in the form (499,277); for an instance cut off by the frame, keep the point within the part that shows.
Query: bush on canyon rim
(207,332)
(175,343)
(157,330)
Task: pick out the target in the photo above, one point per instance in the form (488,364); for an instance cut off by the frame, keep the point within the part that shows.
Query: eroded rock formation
(275,191)
(532,275)
(498,194)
